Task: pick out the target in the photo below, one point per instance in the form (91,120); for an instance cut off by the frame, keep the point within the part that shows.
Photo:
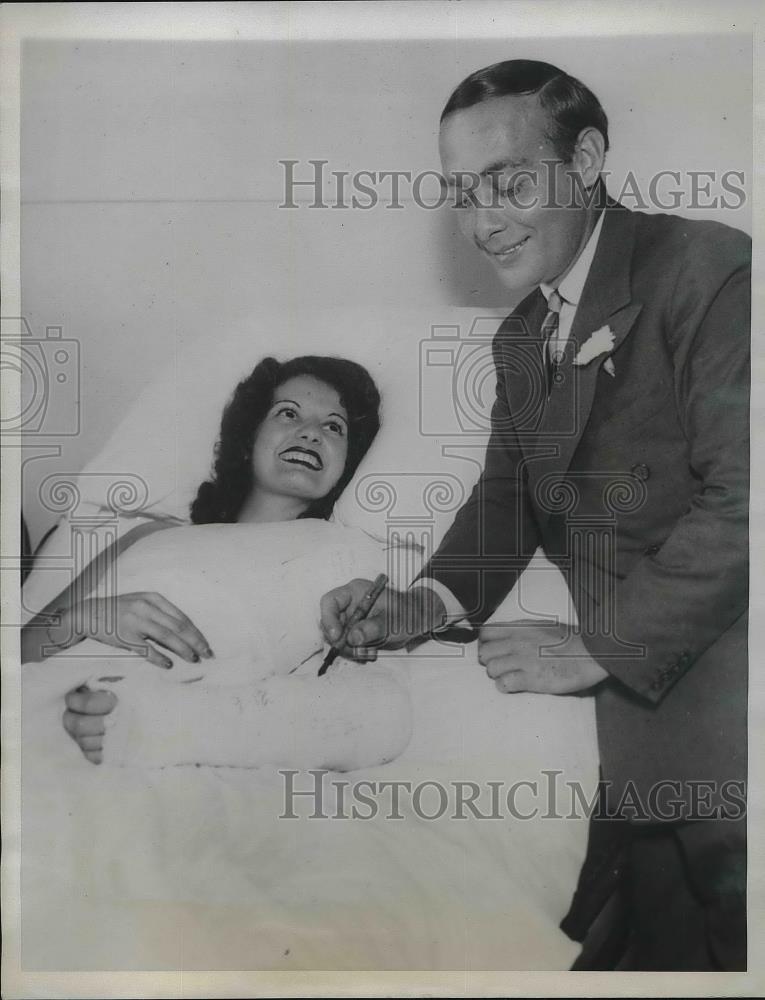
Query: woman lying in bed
(248,576)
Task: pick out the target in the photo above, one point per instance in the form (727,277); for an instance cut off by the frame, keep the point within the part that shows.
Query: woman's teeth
(306,458)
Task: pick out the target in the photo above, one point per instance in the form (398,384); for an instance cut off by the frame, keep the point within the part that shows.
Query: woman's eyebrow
(295,403)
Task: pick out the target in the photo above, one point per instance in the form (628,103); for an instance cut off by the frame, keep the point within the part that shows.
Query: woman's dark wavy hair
(570,105)
(221,498)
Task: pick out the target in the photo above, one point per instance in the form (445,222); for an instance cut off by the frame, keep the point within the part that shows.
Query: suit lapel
(606,301)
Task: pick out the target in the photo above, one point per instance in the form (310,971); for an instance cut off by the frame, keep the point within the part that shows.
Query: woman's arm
(353,717)
(122,620)
(48,632)
(126,621)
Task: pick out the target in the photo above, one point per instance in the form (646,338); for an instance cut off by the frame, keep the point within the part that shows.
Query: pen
(363,608)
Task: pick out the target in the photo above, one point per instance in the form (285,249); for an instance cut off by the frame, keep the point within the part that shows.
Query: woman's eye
(336,428)
(287,411)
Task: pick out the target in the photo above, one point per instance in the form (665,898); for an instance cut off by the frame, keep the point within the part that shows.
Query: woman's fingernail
(209,653)
(333,632)
(195,657)
(167,664)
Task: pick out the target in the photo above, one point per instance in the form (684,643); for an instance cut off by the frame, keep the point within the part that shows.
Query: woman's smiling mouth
(304,457)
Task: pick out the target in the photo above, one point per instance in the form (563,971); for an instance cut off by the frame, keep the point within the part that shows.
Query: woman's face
(300,448)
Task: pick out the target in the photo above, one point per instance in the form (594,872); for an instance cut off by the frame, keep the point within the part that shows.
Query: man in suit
(620,445)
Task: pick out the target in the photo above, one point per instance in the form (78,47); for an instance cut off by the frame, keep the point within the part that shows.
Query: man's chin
(518,283)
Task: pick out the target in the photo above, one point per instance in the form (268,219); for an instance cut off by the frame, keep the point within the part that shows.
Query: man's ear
(589,155)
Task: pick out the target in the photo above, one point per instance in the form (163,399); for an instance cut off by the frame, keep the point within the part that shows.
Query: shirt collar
(570,289)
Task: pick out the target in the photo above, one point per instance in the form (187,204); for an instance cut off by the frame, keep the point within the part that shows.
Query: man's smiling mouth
(508,251)
(303,456)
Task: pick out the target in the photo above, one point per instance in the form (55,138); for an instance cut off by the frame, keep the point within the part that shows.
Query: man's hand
(512,655)
(396,619)
(135,618)
(84,720)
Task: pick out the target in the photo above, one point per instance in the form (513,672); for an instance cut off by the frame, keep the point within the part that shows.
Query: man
(620,445)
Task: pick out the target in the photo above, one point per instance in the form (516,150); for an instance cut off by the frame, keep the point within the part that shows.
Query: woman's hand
(84,720)
(396,619)
(129,620)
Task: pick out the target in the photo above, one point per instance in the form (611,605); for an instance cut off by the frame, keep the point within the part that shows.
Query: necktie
(549,334)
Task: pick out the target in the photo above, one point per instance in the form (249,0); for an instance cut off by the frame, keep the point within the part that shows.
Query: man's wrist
(430,610)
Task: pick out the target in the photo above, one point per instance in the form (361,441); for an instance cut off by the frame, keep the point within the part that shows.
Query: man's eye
(512,189)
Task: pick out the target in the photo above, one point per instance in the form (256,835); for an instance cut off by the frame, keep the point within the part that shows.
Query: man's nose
(487,223)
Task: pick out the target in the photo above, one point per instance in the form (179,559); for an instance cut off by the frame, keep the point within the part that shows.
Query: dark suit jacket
(636,486)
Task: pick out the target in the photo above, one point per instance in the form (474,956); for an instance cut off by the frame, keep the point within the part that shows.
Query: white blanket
(193,868)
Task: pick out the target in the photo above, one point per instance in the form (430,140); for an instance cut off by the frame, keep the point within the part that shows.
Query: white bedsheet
(191,868)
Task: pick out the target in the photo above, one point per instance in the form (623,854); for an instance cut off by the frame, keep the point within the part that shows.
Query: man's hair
(570,106)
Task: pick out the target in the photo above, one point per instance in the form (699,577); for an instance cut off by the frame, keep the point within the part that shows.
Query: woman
(329,429)
(291,439)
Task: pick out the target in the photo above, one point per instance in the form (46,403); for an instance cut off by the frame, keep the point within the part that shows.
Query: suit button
(641,470)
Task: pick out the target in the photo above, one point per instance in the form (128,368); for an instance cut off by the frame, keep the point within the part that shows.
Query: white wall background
(150,184)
